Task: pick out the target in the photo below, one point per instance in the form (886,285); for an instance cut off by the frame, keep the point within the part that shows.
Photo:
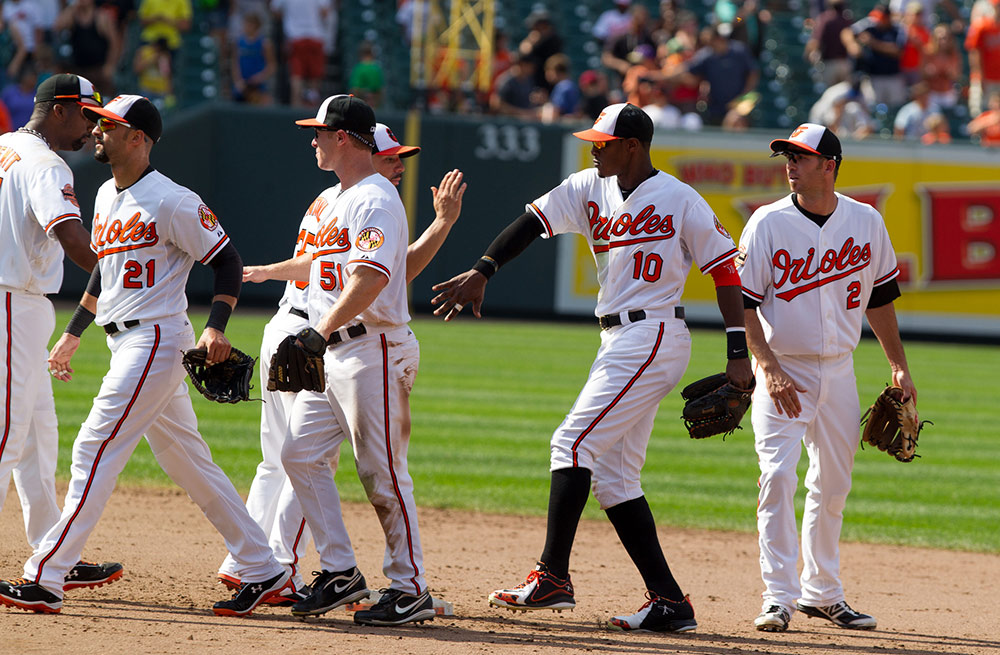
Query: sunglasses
(108,125)
(600,145)
(796,157)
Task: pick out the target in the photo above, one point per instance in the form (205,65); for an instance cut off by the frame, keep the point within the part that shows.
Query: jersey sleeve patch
(207,218)
(741,257)
(721,228)
(69,195)
(370,239)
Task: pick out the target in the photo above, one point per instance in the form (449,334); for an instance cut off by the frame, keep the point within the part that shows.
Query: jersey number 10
(647,267)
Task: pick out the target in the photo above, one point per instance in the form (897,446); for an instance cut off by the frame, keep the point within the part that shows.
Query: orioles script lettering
(646,222)
(131,234)
(849,258)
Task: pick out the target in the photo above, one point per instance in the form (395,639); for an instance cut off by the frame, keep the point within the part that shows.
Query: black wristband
(81,319)
(487,266)
(736,345)
(219,315)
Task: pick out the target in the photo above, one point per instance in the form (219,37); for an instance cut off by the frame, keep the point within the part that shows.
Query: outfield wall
(257,172)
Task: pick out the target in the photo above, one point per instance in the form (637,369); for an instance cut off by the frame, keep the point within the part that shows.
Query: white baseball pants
(828,426)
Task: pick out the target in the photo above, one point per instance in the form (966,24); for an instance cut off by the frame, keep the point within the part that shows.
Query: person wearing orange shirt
(983,47)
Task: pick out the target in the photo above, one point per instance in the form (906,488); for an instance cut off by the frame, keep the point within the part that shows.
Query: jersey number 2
(133,274)
(853,292)
(647,267)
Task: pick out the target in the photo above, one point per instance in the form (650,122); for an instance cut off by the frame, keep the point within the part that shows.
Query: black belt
(614,320)
(115,328)
(352,332)
(301,313)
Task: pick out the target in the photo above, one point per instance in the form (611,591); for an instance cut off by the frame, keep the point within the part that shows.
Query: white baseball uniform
(271,500)
(813,285)
(644,247)
(36,194)
(368,382)
(147,238)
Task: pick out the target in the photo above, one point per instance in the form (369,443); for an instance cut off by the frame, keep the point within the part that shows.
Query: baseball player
(39,221)
(357,306)
(271,500)
(645,228)
(812,264)
(148,232)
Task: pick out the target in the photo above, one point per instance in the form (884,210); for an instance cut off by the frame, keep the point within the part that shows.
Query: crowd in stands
(913,70)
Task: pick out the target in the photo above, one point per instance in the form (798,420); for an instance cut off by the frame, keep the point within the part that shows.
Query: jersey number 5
(647,267)
(329,276)
(133,274)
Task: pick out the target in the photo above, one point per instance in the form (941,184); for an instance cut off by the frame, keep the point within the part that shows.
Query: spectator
(564,101)
(911,121)
(749,21)
(19,96)
(725,69)
(24,19)
(410,12)
(303,21)
(943,67)
(898,8)
(911,61)
(665,115)
(674,54)
(93,38)
(825,50)
(876,44)
(983,47)
(617,51)
(122,13)
(737,118)
(515,90)
(5,123)
(165,19)
(936,130)
(986,126)
(254,64)
(644,68)
(594,93)
(541,43)
(366,78)
(612,23)
(153,68)
(845,111)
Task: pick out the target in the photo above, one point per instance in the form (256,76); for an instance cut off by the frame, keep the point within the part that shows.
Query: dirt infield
(947,604)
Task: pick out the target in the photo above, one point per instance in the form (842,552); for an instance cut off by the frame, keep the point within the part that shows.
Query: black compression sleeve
(94,285)
(228,268)
(510,243)
(81,319)
(749,303)
(884,294)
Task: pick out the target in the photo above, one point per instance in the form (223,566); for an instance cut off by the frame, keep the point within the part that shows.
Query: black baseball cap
(66,86)
(812,138)
(136,112)
(345,112)
(620,121)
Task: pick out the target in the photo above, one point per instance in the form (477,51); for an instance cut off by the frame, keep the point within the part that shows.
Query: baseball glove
(893,426)
(224,382)
(714,406)
(297,367)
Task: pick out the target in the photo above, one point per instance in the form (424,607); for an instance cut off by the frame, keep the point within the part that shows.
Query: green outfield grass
(490,393)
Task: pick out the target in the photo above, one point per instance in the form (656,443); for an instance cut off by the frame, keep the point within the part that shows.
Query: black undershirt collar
(818,219)
(627,192)
(149,169)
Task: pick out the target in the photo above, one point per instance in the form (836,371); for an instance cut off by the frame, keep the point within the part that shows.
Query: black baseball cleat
(252,594)
(92,575)
(541,591)
(330,590)
(658,615)
(29,596)
(289,596)
(397,607)
(841,615)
